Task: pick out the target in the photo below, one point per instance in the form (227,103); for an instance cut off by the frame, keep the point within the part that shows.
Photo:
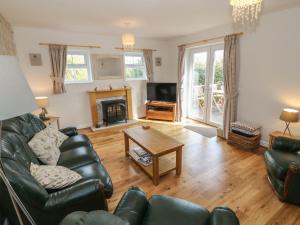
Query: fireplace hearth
(114,111)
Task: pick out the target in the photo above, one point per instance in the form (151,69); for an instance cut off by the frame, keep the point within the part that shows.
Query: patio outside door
(206,84)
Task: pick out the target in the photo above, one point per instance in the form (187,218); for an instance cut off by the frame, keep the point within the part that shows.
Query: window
(135,68)
(78,67)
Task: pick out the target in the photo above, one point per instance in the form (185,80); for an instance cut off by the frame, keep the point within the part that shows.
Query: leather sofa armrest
(291,183)
(133,206)
(222,216)
(98,217)
(286,144)
(69,131)
(82,195)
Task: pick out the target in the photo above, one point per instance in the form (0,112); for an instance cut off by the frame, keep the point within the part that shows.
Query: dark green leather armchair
(135,209)
(50,207)
(283,168)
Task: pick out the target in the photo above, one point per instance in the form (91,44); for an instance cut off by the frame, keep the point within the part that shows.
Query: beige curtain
(231,77)
(58,58)
(149,63)
(180,71)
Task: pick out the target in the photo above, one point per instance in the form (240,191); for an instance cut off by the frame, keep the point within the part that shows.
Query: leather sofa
(135,209)
(50,207)
(283,168)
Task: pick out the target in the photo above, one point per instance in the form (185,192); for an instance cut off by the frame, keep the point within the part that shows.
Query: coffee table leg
(178,161)
(155,170)
(126,140)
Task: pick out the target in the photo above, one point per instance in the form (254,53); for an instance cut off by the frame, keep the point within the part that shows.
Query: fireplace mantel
(122,92)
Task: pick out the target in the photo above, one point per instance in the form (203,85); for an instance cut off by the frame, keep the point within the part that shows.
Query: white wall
(73,107)
(270,68)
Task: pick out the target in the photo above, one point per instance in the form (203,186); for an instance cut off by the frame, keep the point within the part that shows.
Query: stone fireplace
(113,111)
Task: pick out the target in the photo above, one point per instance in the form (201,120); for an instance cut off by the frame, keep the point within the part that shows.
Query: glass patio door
(206,84)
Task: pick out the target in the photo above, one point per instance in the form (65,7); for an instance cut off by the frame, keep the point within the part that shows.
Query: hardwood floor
(214,173)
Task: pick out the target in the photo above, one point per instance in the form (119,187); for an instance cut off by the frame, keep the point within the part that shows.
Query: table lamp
(16,99)
(289,116)
(42,103)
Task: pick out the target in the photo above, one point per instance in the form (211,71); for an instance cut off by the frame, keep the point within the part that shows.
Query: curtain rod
(75,46)
(134,49)
(208,40)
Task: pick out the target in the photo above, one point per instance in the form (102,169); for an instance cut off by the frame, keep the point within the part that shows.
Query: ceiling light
(128,39)
(246,11)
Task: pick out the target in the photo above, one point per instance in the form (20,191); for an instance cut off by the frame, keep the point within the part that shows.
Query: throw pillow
(44,147)
(58,137)
(54,177)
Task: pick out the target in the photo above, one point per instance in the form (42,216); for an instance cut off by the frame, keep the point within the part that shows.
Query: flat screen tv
(163,92)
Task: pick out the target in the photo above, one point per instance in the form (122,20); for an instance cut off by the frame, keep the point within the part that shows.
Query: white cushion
(57,136)
(54,177)
(44,146)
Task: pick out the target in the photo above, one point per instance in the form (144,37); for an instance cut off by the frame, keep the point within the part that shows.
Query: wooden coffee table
(158,145)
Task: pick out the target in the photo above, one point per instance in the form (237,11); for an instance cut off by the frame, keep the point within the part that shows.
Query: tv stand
(161,111)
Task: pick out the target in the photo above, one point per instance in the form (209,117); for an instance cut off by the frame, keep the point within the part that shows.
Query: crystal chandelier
(245,11)
(128,39)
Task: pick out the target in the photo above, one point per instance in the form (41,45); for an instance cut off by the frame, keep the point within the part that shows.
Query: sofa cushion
(77,157)
(97,171)
(98,217)
(54,177)
(45,148)
(277,162)
(75,141)
(165,210)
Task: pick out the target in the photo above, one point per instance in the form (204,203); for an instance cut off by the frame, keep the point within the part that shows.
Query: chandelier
(128,39)
(245,11)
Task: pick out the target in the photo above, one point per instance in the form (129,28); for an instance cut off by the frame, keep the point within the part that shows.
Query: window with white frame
(78,67)
(135,68)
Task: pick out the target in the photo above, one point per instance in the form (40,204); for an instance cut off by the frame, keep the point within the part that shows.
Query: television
(163,92)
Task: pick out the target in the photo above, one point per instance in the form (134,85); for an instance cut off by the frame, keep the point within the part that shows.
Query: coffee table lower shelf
(165,166)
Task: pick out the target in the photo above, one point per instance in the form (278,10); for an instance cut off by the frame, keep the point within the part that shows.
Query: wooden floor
(214,173)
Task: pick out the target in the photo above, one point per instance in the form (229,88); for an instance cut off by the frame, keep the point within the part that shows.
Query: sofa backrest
(16,157)
(286,144)
(25,126)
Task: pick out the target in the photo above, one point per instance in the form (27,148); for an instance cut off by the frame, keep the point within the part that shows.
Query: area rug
(209,132)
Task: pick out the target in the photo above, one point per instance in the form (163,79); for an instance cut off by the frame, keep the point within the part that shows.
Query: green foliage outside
(76,75)
(133,73)
(200,69)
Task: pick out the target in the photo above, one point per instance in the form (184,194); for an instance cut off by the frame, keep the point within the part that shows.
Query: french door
(206,84)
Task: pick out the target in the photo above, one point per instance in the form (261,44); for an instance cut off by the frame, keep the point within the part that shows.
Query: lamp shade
(128,40)
(42,102)
(289,115)
(16,97)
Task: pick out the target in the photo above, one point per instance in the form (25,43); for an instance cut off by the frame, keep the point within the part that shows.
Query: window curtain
(7,45)
(231,77)
(58,58)
(180,71)
(149,63)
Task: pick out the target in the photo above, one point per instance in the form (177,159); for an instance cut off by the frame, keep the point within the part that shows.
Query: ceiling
(148,18)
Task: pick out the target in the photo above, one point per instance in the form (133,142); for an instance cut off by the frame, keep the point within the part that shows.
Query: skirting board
(129,122)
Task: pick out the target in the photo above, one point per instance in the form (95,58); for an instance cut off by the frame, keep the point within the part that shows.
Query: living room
(168,103)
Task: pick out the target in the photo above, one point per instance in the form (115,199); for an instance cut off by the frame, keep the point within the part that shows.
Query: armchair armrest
(292,182)
(132,206)
(286,144)
(69,131)
(223,216)
(92,218)
(87,195)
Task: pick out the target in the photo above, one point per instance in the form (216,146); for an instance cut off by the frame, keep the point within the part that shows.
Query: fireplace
(114,111)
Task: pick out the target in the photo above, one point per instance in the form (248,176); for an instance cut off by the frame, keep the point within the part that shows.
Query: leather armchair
(283,168)
(135,209)
(50,207)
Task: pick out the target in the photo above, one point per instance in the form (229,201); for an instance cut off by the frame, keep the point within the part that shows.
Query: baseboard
(264,143)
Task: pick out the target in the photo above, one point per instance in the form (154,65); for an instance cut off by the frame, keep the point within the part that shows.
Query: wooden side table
(276,134)
(53,120)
